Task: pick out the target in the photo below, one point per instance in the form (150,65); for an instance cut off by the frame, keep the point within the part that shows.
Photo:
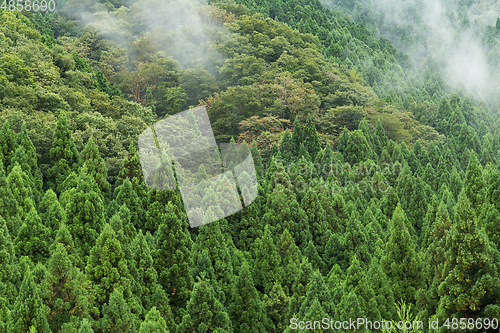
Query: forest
(375,134)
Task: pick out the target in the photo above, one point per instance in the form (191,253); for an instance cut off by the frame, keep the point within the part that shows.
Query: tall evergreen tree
(400,261)
(154,323)
(29,312)
(117,316)
(173,261)
(96,167)
(8,144)
(21,189)
(474,184)
(33,238)
(204,312)
(85,213)
(310,137)
(107,267)
(64,156)
(470,276)
(246,309)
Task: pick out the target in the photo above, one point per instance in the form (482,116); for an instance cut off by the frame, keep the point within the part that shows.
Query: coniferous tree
(474,184)
(464,292)
(125,195)
(8,144)
(246,309)
(85,213)
(96,167)
(267,268)
(400,261)
(116,315)
(342,142)
(64,156)
(23,140)
(21,189)
(132,170)
(33,238)
(154,323)
(8,203)
(204,312)
(66,289)
(310,137)
(7,261)
(28,312)
(107,267)
(379,137)
(276,304)
(142,271)
(173,261)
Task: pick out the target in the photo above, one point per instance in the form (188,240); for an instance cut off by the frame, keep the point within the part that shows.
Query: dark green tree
(117,316)
(28,312)
(8,144)
(205,313)
(470,276)
(33,238)
(474,184)
(64,156)
(400,261)
(173,261)
(154,323)
(246,309)
(96,167)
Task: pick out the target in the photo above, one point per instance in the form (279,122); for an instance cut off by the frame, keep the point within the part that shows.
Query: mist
(443,33)
(173,27)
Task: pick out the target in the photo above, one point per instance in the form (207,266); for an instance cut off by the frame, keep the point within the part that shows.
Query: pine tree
(143,271)
(474,185)
(319,291)
(379,138)
(204,312)
(173,261)
(8,144)
(434,259)
(342,142)
(246,310)
(23,140)
(297,136)
(21,189)
(64,156)
(85,213)
(300,286)
(356,282)
(290,259)
(8,203)
(377,281)
(154,323)
(116,315)
(107,267)
(257,160)
(85,327)
(357,149)
(276,304)
(125,195)
(28,311)
(132,170)
(205,270)
(33,238)
(7,262)
(310,137)
(267,268)
(470,276)
(67,294)
(96,167)
(211,237)
(287,147)
(400,261)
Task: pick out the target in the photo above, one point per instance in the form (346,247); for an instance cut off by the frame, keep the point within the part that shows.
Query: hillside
(377,172)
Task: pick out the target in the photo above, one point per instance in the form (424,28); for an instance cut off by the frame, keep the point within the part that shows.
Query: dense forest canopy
(374,132)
